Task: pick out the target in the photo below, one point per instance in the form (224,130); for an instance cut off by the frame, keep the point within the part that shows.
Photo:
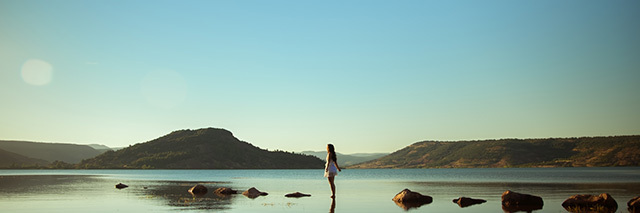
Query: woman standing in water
(331,168)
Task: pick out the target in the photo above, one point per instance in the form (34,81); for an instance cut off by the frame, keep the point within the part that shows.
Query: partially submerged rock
(121,186)
(634,205)
(407,199)
(297,194)
(253,193)
(581,203)
(465,201)
(198,190)
(225,191)
(513,201)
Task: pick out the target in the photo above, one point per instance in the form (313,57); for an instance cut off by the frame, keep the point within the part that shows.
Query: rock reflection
(176,194)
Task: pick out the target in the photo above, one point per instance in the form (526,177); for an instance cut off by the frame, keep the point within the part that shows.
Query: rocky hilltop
(552,152)
(209,148)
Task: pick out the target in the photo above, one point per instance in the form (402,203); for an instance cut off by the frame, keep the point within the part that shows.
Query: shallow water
(358,190)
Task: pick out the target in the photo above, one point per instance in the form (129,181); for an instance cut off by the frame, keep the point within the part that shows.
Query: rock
(121,186)
(297,194)
(407,199)
(253,193)
(225,191)
(513,201)
(465,201)
(198,190)
(634,205)
(581,203)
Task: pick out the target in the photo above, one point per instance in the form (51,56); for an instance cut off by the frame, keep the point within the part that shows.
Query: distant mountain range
(13,160)
(347,159)
(208,148)
(213,148)
(552,152)
(25,153)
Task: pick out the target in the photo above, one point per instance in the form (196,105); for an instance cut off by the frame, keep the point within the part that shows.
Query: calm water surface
(358,190)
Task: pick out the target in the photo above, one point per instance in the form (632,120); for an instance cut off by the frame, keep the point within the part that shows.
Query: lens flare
(37,72)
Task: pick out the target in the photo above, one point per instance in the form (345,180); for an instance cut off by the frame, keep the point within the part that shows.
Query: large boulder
(465,201)
(514,201)
(297,194)
(198,190)
(407,199)
(634,205)
(253,193)
(581,203)
(225,191)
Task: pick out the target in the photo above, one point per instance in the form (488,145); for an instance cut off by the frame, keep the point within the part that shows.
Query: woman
(331,168)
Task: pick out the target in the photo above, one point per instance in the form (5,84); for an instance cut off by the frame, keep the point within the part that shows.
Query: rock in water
(581,203)
(634,205)
(198,190)
(407,199)
(297,194)
(225,191)
(513,201)
(253,193)
(121,186)
(465,201)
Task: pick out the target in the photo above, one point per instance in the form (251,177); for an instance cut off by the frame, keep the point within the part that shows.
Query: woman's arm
(336,163)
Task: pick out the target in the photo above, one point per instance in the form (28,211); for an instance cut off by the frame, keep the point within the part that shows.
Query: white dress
(330,169)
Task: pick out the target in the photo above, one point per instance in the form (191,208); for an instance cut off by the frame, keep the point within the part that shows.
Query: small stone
(513,201)
(225,191)
(634,205)
(121,186)
(198,190)
(407,199)
(253,193)
(465,201)
(297,194)
(603,203)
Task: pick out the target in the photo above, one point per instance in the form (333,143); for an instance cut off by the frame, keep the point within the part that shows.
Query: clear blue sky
(368,76)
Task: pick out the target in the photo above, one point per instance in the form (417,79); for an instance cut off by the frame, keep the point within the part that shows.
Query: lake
(358,190)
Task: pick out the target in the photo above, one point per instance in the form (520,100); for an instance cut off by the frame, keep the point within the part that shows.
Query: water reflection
(42,184)
(333,206)
(176,194)
(513,209)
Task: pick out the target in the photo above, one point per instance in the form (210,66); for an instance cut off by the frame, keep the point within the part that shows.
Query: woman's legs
(333,187)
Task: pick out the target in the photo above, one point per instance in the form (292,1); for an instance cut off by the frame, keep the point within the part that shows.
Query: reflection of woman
(331,168)
(333,206)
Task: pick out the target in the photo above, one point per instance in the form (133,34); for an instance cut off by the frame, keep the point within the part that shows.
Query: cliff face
(553,152)
(200,149)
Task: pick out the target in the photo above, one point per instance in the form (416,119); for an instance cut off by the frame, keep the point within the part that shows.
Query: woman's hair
(332,153)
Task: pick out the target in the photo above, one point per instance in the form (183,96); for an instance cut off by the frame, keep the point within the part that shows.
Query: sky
(367,76)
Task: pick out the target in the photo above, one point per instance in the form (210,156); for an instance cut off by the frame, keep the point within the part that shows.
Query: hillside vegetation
(552,152)
(13,160)
(199,149)
(70,153)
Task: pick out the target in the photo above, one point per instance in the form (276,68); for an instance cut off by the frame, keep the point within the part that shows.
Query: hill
(347,159)
(70,153)
(200,149)
(13,160)
(552,152)
(101,148)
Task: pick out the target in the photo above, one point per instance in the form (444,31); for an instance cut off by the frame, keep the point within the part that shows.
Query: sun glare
(37,72)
